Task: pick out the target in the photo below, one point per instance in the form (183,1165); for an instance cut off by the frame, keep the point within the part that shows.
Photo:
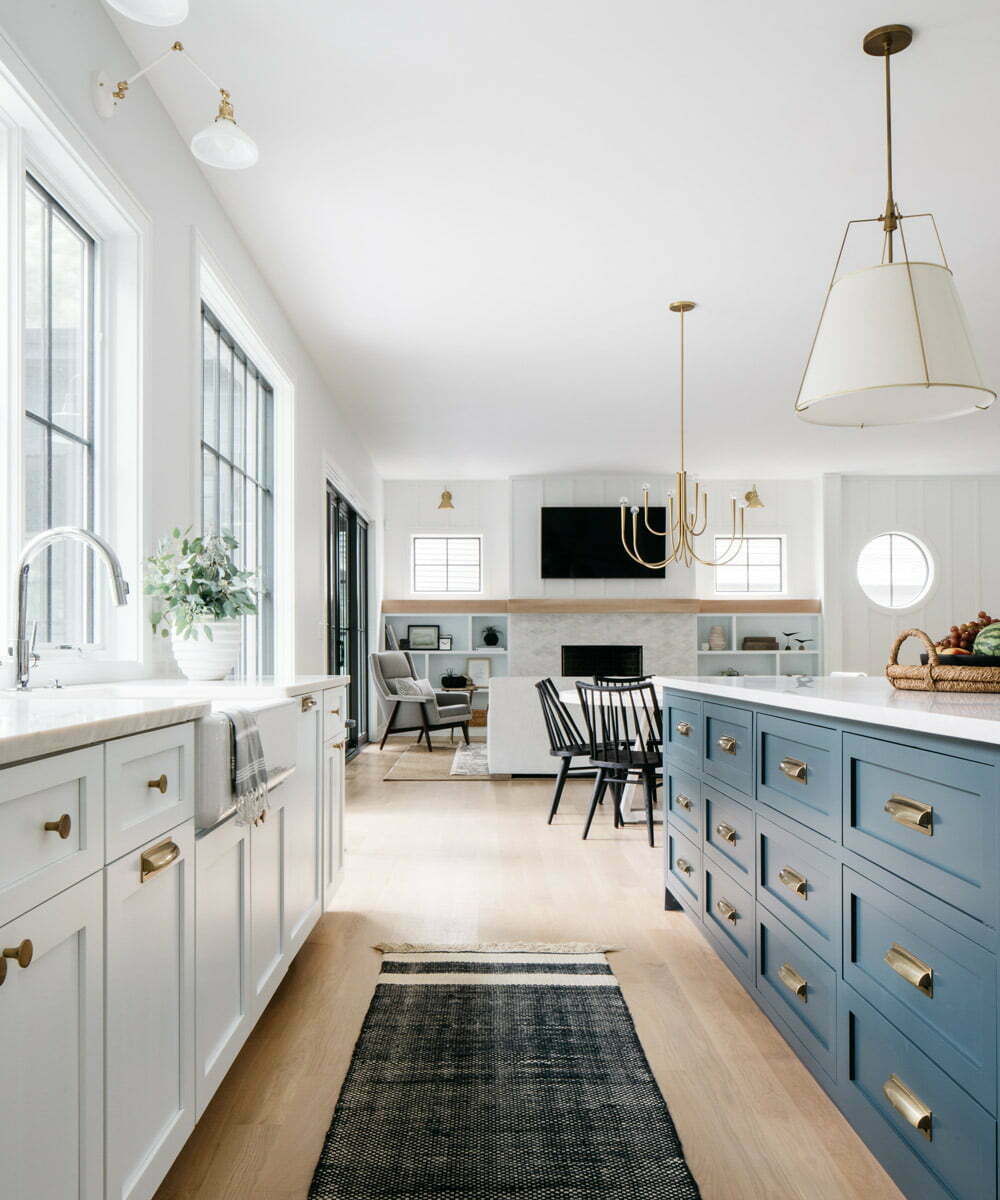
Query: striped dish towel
(249,771)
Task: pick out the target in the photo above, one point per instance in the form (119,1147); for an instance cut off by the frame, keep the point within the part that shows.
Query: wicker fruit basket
(936,676)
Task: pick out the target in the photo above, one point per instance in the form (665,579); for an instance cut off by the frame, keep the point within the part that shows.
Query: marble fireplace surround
(667,639)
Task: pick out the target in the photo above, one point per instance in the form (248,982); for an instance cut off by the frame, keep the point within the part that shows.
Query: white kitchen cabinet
(303,829)
(150,1052)
(51,1047)
(333,817)
(224,1004)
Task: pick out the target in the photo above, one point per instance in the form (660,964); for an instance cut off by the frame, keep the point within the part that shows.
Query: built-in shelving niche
(784,626)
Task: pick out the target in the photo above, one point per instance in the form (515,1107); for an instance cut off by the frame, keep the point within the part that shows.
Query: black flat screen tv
(585,543)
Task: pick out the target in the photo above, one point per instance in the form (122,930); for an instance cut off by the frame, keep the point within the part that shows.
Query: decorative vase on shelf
(491,636)
(717,638)
(452,680)
(211,652)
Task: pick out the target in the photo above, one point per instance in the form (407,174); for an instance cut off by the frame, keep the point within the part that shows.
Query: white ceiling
(476,211)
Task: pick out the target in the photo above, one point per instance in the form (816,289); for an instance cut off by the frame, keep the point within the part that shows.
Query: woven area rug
(500,1073)
(416,763)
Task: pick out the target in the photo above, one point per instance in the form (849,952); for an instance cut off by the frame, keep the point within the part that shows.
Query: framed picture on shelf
(423,637)
(478,671)
(444,641)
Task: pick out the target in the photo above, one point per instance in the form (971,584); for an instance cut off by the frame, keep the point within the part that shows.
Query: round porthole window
(895,570)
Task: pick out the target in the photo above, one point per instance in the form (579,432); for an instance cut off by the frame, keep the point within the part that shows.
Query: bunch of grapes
(963,637)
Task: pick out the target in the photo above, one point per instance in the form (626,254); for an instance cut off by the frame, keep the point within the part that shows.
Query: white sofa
(516,741)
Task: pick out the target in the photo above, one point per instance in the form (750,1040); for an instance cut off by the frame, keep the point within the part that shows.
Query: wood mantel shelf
(578,604)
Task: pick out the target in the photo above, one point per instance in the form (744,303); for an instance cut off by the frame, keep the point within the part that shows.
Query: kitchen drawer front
(682,724)
(149,789)
(334,702)
(684,803)
(953,855)
(798,772)
(961,1150)
(728,912)
(801,885)
(66,791)
(801,988)
(728,745)
(729,834)
(684,870)
(943,991)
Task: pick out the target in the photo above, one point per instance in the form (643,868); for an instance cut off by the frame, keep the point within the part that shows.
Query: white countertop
(970,716)
(48,722)
(259,687)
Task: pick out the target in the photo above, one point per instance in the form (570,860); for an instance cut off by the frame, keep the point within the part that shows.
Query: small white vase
(717,638)
(201,658)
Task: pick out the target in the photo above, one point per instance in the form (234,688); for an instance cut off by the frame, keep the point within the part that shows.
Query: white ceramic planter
(199,658)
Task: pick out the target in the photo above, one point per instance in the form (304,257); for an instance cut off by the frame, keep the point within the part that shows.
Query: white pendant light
(893,345)
(223,144)
(152,12)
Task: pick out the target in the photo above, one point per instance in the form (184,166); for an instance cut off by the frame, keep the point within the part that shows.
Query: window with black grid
(447,564)
(237,477)
(758,566)
(58,463)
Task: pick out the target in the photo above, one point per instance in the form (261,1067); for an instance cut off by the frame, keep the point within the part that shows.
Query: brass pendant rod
(682,391)
(889,218)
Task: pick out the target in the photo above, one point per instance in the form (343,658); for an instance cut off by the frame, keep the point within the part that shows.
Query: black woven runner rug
(500,1075)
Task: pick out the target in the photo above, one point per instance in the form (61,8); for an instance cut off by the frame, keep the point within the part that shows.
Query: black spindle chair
(622,680)
(566,741)
(625,730)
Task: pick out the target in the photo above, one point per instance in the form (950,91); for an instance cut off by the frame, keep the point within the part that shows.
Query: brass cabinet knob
(727,910)
(62,826)
(159,785)
(909,1106)
(334,712)
(683,801)
(726,832)
(914,970)
(682,864)
(23,953)
(727,743)
(794,768)
(794,882)
(683,728)
(912,813)
(308,702)
(794,982)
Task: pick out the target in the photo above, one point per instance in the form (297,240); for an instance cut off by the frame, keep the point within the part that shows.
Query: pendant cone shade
(446,500)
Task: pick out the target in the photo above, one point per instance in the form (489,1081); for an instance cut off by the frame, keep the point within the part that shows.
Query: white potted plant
(199,594)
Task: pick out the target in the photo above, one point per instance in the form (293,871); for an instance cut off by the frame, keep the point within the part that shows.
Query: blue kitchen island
(837,843)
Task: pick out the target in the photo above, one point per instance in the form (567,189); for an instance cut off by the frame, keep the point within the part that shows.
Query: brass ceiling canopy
(887,39)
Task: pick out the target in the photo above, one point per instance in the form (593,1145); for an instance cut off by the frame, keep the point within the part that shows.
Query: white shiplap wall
(954,516)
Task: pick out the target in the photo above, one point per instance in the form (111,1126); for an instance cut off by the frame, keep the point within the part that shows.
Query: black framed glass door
(347,609)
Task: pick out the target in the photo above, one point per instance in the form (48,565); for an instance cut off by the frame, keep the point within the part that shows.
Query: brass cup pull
(308,702)
(157,858)
(22,954)
(794,982)
(725,909)
(727,744)
(62,826)
(794,768)
(911,813)
(726,832)
(909,1106)
(683,801)
(159,785)
(907,966)
(683,865)
(794,882)
(683,728)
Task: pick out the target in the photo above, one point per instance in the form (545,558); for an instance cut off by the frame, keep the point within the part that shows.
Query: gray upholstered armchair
(423,710)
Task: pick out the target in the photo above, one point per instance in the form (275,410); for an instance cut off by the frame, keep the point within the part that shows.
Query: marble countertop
(48,722)
(969,716)
(260,687)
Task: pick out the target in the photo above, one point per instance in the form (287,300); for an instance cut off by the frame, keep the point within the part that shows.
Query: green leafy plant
(195,579)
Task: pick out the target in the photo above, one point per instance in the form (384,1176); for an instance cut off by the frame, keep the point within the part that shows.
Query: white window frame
(932,573)
(216,289)
(773,537)
(437,534)
(36,137)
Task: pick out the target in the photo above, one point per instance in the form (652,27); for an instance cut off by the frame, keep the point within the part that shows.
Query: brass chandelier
(685,521)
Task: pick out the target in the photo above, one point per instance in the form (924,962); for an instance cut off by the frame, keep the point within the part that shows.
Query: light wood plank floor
(475,861)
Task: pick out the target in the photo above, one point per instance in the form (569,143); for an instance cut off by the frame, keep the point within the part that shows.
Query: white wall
(52,50)
(482,507)
(954,516)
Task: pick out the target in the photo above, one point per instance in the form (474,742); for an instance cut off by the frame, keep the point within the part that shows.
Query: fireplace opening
(601,660)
